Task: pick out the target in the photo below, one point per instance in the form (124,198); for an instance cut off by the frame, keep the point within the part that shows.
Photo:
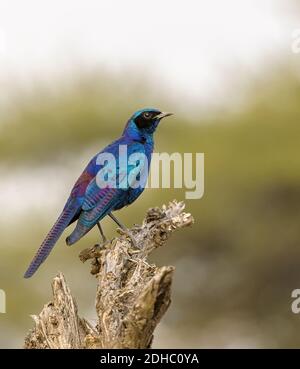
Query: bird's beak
(163,115)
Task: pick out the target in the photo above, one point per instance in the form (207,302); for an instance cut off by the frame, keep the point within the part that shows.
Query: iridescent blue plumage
(90,203)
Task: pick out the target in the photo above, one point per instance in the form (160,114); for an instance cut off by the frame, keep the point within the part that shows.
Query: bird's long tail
(49,242)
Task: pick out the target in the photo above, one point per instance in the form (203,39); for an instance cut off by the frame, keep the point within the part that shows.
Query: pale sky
(192,46)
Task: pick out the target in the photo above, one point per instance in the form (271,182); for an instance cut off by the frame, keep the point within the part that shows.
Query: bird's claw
(127,233)
(102,245)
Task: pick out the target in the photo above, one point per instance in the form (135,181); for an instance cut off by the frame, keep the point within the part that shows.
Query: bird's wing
(98,201)
(103,200)
(68,215)
(83,181)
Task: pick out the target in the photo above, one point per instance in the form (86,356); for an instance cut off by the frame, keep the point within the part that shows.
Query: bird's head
(144,122)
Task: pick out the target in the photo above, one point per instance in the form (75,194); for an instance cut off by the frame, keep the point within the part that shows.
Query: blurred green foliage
(237,266)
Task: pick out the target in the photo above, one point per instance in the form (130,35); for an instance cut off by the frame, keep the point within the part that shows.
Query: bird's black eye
(145,119)
(147,115)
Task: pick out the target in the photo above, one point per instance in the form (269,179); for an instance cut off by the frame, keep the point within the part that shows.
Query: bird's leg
(95,252)
(104,239)
(117,221)
(124,229)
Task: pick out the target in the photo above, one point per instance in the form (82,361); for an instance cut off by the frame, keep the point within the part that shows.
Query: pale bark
(132,295)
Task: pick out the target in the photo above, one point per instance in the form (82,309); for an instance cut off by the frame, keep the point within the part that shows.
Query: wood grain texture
(132,295)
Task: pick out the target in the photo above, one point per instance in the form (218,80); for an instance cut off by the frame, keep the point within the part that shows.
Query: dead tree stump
(132,295)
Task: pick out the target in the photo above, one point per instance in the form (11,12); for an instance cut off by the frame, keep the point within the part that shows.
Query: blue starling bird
(88,202)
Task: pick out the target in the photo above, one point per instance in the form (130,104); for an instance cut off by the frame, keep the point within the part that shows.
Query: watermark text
(176,170)
(296,41)
(2,302)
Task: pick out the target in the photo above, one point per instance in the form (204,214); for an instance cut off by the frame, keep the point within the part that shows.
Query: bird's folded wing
(98,202)
(109,188)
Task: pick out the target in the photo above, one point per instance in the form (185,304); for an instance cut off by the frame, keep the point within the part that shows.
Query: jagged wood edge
(132,295)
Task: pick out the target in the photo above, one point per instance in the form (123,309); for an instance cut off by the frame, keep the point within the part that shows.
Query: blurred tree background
(237,266)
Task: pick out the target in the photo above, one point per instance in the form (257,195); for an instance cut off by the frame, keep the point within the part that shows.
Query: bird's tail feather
(51,239)
(79,231)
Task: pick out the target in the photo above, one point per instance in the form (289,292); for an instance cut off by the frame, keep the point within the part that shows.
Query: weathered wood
(132,295)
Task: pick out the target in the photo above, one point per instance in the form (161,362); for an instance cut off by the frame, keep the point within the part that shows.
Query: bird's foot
(128,234)
(103,244)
